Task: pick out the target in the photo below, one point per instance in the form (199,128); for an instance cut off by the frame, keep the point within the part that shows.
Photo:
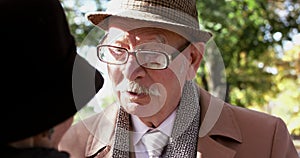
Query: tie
(155,142)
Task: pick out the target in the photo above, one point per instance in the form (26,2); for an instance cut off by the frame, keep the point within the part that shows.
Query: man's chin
(133,108)
(141,110)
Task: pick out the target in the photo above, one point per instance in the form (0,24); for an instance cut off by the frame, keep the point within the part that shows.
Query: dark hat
(179,16)
(39,69)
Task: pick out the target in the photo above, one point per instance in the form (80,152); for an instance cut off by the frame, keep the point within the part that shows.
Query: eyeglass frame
(169,57)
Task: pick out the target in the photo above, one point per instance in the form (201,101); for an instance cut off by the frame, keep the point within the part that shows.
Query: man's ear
(197,50)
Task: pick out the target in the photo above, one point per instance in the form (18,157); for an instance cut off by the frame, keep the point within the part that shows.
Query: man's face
(147,92)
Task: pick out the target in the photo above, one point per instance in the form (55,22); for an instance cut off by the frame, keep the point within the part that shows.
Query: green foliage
(75,11)
(257,76)
(286,104)
(237,29)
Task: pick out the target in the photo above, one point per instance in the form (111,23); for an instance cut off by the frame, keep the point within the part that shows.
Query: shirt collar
(139,128)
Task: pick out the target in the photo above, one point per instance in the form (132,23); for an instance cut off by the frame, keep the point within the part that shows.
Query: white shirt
(139,129)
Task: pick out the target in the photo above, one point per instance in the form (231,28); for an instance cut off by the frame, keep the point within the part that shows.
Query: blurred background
(259,45)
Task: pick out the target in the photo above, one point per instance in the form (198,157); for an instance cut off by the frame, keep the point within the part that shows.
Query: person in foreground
(153,49)
(39,53)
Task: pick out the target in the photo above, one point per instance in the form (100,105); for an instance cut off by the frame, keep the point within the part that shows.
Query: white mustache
(135,87)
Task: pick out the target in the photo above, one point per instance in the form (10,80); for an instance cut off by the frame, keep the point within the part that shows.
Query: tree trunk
(216,71)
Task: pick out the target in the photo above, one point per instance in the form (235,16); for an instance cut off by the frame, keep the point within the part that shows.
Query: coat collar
(217,119)
(104,128)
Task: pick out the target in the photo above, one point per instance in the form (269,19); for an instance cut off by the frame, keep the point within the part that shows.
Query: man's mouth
(139,98)
(131,93)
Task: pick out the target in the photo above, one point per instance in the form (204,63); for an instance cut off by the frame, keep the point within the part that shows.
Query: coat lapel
(217,120)
(103,136)
(209,148)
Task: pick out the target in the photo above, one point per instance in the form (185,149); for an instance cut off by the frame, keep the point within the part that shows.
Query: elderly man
(153,49)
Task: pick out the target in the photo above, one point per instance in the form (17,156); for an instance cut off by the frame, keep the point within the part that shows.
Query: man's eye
(117,51)
(153,64)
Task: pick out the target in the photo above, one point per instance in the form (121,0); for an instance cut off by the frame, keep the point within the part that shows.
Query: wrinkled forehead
(140,35)
(131,28)
(128,24)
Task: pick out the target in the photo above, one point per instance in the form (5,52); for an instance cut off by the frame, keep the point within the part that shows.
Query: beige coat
(226,131)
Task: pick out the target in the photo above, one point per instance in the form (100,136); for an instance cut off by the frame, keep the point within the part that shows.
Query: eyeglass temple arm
(174,55)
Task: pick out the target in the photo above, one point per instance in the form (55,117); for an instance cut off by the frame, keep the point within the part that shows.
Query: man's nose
(132,69)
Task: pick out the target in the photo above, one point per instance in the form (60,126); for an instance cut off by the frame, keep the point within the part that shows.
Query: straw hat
(179,16)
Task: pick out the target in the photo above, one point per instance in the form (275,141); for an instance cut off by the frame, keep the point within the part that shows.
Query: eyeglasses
(156,59)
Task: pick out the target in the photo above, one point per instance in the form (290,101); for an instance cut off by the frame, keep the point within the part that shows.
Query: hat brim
(101,19)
